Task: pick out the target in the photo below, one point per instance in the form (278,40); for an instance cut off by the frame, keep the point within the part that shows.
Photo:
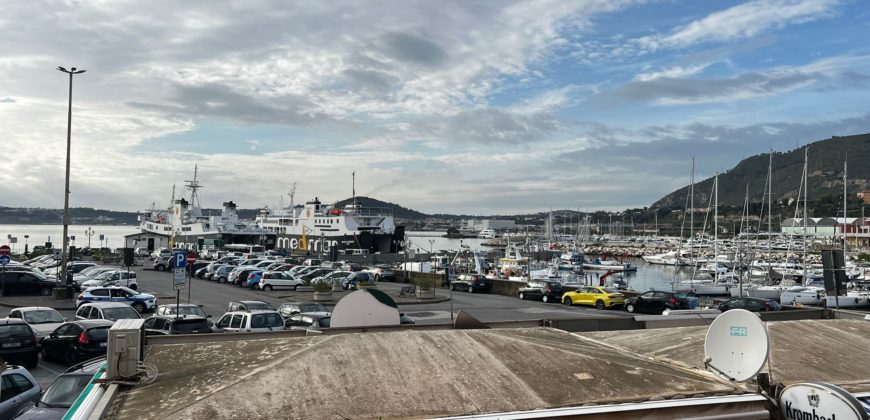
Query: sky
(468,107)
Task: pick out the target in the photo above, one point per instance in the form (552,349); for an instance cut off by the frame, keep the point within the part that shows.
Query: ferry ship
(315,227)
(187,227)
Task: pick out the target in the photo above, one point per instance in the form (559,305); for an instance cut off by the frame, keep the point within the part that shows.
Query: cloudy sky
(475,107)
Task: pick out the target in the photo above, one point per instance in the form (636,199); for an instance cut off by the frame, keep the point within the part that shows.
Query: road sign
(4,249)
(13,240)
(178,278)
(180,259)
(191,258)
(4,259)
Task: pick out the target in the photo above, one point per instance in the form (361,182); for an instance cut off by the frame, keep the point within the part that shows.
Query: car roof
(12,321)
(106,304)
(181,305)
(316,315)
(33,308)
(90,323)
(248,302)
(88,367)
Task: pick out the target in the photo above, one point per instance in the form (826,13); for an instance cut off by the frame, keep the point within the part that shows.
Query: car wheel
(139,307)
(545,299)
(267,287)
(470,289)
(134,287)
(599,304)
(629,307)
(46,291)
(222,279)
(297,286)
(522,296)
(377,278)
(568,301)
(71,358)
(160,268)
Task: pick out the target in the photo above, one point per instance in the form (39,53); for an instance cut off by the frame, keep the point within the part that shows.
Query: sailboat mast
(845,198)
(716,226)
(804,261)
(692,215)
(769,211)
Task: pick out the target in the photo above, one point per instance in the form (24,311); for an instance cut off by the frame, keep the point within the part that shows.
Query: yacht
(486,234)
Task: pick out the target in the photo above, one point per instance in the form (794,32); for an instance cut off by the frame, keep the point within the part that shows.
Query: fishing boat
(599,264)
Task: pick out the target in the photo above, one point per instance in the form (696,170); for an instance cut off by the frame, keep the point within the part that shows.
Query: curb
(7,305)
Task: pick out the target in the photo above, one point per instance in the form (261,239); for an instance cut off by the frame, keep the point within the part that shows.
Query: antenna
(193,185)
(737,345)
(292,194)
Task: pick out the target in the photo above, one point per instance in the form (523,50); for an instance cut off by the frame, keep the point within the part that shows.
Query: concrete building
(477,225)
(149,241)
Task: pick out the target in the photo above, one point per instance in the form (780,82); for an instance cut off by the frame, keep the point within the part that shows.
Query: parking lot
(214,297)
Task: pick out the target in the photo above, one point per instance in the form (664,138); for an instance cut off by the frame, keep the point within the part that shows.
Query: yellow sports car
(600,297)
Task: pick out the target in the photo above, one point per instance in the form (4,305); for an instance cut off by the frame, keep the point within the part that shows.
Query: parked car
(161,252)
(18,343)
(253,279)
(141,252)
(222,273)
(278,280)
(113,278)
(352,280)
(309,321)
(26,282)
(547,291)
(64,391)
(141,302)
(598,296)
(184,309)
(292,308)
(72,268)
(41,319)
(248,305)
(313,274)
(257,320)
(20,391)
(349,266)
(112,311)
(77,340)
(163,262)
(656,302)
(382,272)
(750,304)
(470,283)
(239,276)
(200,272)
(171,325)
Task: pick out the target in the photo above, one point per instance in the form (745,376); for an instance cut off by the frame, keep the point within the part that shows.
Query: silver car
(20,392)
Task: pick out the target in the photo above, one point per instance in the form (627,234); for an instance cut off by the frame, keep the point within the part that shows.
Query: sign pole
(189,282)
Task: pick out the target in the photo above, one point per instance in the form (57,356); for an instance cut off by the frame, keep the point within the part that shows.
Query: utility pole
(64,256)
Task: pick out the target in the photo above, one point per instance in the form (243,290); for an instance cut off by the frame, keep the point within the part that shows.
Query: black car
(242,280)
(78,340)
(750,304)
(656,302)
(18,343)
(19,282)
(63,392)
(547,291)
(470,283)
(170,325)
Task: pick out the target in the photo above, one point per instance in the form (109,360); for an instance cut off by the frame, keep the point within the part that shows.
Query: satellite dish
(737,345)
(365,308)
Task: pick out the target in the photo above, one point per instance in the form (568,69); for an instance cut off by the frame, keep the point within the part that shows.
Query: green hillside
(398,211)
(826,159)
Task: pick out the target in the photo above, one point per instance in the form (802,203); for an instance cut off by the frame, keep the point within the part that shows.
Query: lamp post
(64,256)
(90,232)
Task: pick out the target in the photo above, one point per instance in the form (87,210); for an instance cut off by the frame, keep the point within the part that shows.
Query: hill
(825,177)
(398,211)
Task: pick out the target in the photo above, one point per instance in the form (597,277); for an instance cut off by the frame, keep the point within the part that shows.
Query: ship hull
(370,242)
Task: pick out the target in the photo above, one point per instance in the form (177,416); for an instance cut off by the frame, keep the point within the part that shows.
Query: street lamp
(64,252)
(90,232)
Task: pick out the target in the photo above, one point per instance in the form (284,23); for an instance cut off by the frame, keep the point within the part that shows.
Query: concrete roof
(402,374)
(830,351)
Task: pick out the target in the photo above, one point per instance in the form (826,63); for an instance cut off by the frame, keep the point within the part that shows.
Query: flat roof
(833,351)
(411,373)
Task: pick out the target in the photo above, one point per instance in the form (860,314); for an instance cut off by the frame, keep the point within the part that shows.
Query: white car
(42,320)
(141,302)
(259,320)
(141,252)
(160,252)
(113,278)
(278,280)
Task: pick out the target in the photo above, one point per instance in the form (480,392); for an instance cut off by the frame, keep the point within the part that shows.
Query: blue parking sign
(179,259)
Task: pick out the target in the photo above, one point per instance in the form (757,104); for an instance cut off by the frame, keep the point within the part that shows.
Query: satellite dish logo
(739,332)
(813,398)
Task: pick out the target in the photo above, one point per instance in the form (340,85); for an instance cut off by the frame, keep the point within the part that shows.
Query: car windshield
(267,320)
(120,313)
(42,317)
(257,305)
(64,391)
(312,307)
(189,310)
(7,331)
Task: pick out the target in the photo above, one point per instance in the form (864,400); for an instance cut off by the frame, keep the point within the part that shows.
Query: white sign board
(819,401)
(178,278)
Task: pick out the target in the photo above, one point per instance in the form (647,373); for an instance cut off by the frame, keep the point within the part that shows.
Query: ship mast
(193,186)
(353,188)
(292,194)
